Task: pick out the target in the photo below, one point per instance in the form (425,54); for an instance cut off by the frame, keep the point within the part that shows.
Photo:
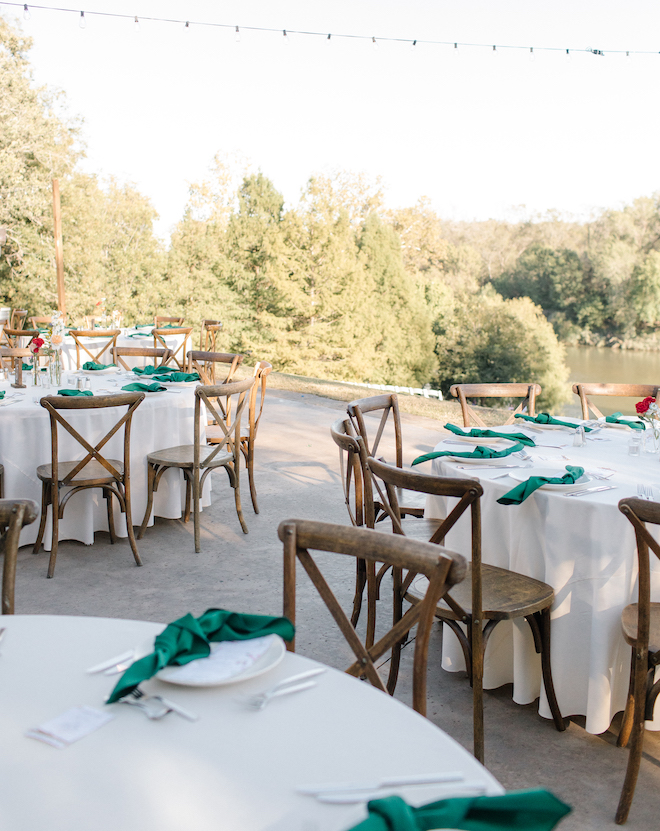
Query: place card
(70,726)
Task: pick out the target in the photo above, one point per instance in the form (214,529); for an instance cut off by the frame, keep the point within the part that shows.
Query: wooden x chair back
(206,364)
(12,337)
(179,353)
(121,352)
(526,392)
(8,356)
(18,317)
(442,568)
(584,391)
(488,593)
(350,470)
(209,334)
(94,470)
(40,322)
(106,340)
(262,370)
(160,321)
(640,623)
(15,514)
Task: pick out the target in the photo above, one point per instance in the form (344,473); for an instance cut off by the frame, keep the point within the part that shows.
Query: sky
(477,131)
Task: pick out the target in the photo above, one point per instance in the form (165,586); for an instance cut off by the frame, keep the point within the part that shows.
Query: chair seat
(629,625)
(505,594)
(183,457)
(92,472)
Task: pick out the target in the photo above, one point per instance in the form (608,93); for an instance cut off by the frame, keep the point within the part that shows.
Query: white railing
(426,393)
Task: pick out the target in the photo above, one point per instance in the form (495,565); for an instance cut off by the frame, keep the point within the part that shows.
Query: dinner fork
(288,685)
(138,699)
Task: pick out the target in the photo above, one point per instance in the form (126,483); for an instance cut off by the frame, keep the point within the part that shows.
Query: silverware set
(296,683)
(645,492)
(155,707)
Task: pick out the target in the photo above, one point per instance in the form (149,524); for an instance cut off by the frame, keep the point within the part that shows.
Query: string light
(531,53)
(237,35)
(82,22)
(374,43)
(286,38)
(137,24)
(187,26)
(327,40)
(26,13)
(413,45)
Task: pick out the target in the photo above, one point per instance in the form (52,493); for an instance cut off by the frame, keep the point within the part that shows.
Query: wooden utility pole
(59,255)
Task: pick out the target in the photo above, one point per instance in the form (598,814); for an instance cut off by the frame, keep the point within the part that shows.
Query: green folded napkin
(179,376)
(27,367)
(141,335)
(188,638)
(74,392)
(94,366)
(150,369)
(615,418)
(2,394)
(477,433)
(536,810)
(138,386)
(520,493)
(478,453)
(544,418)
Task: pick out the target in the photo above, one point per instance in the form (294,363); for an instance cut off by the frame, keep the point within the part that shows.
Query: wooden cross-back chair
(583,391)
(40,322)
(15,514)
(640,623)
(12,337)
(94,470)
(209,334)
(121,352)
(178,353)
(197,460)
(388,406)
(442,568)
(526,392)
(17,320)
(160,320)
(107,340)
(9,355)
(206,364)
(488,593)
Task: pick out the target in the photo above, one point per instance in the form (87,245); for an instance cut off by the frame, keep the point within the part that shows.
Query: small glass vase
(55,369)
(652,438)
(35,370)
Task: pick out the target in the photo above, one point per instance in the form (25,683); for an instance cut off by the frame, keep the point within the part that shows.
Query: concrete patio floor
(297,476)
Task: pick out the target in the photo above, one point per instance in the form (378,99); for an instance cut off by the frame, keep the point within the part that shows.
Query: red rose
(642,406)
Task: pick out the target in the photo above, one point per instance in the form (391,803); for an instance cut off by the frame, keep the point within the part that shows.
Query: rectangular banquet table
(162,420)
(581,546)
(234,769)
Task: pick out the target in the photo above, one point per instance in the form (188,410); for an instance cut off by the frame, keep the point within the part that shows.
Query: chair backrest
(620,390)
(36,322)
(388,406)
(262,370)
(208,334)
(53,404)
(14,515)
(107,339)
(527,392)
(121,352)
(178,354)
(17,320)
(12,336)
(442,568)
(205,364)
(159,321)
(235,398)
(350,469)
(8,355)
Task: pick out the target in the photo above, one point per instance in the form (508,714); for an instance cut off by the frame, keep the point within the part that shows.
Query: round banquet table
(129,337)
(581,546)
(162,420)
(234,768)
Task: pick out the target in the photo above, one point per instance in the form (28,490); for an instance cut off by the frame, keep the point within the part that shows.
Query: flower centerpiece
(55,343)
(649,412)
(35,348)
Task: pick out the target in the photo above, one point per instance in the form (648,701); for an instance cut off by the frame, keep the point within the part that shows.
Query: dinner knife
(591,490)
(111,662)
(462,789)
(490,467)
(386,782)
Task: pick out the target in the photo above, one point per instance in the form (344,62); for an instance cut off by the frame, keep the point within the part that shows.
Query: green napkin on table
(478,433)
(615,418)
(520,493)
(141,335)
(536,810)
(2,394)
(27,367)
(545,418)
(94,366)
(150,369)
(179,376)
(74,392)
(188,638)
(138,386)
(478,453)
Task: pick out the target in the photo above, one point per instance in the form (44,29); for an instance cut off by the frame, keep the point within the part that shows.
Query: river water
(615,366)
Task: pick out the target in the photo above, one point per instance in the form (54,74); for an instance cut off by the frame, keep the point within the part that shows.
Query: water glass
(634,445)
(578,437)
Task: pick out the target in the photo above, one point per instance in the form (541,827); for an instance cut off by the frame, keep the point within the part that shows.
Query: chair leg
(45,494)
(634,760)
(477,693)
(129,525)
(195,490)
(151,475)
(55,513)
(186,510)
(629,712)
(111,518)
(360,582)
(542,619)
(237,496)
(250,468)
(372,596)
(397,614)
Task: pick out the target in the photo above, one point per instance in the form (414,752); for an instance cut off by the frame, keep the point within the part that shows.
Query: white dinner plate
(555,472)
(622,426)
(181,383)
(107,371)
(229,663)
(501,460)
(484,441)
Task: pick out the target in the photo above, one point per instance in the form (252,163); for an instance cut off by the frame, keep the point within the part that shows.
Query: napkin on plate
(615,418)
(2,394)
(188,638)
(478,433)
(536,810)
(74,392)
(141,335)
(93,365)
(544,418)
(27,367)
(180,376)
(478,453)
(150,369)
(138,386)
(520,493)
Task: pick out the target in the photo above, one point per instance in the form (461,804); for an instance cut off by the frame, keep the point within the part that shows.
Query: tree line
(335,286)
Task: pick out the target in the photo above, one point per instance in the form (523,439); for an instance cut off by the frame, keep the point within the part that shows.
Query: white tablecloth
(161,420)
(234,769)
(69,360)
(585,549)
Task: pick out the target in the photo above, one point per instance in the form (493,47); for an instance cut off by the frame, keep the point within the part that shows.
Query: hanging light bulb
(532,57)
(494,50)
(26,13)
(237,35)
(413,45)
(374,43)
(569,57)
(327,40)
(187,26)
(82,22)
(455,49)
(136,24)
(286,37)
